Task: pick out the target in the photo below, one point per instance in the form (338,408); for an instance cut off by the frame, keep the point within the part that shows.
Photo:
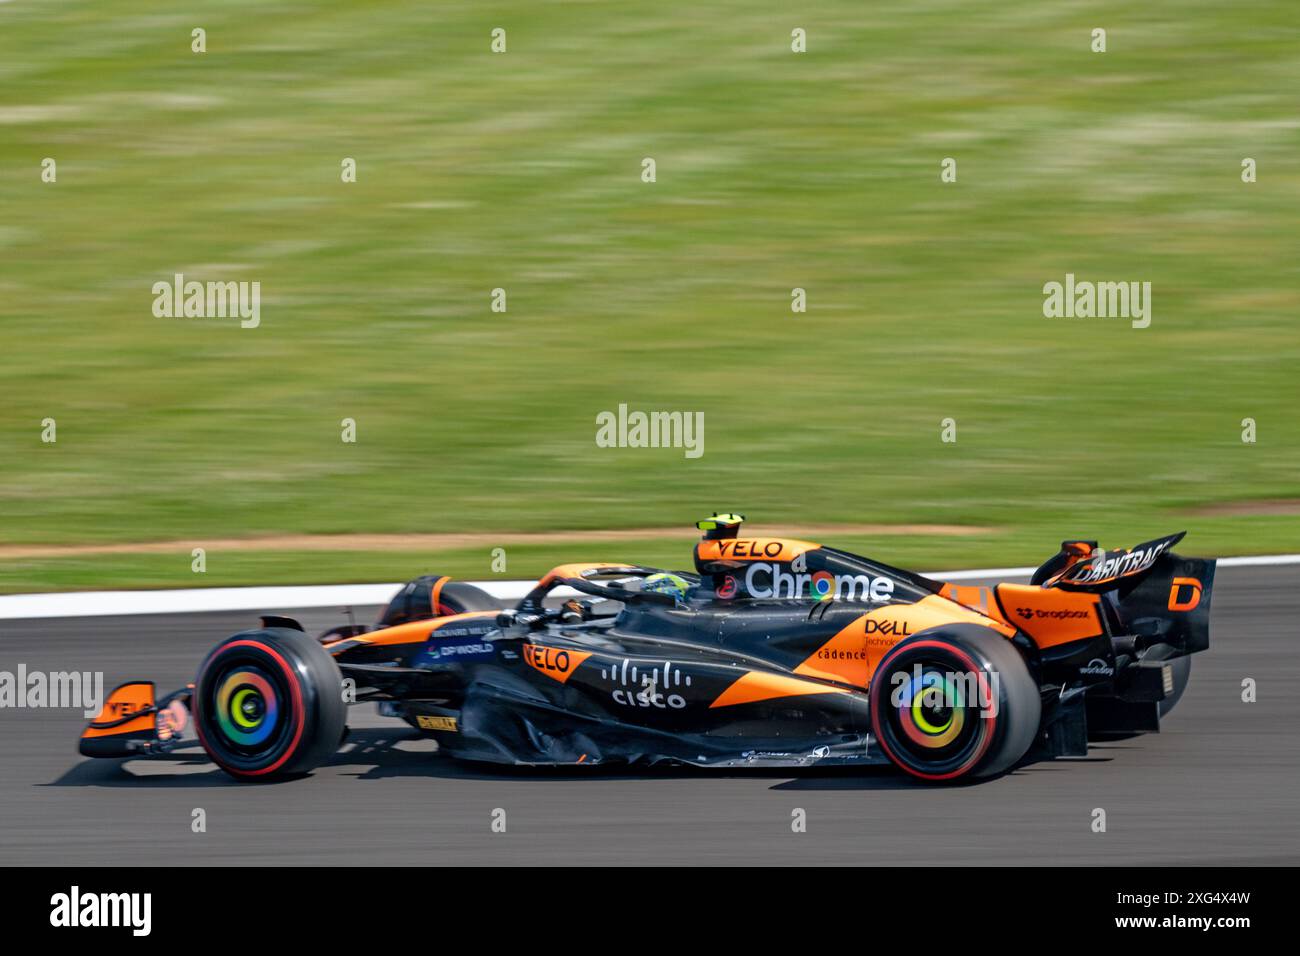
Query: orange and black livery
(767,651)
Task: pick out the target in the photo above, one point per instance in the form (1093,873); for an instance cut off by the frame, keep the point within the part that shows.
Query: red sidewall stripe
(299,711)
(876,722)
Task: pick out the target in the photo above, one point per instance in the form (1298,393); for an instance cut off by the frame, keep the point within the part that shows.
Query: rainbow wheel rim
(932,710)
(247,706)
(917,745)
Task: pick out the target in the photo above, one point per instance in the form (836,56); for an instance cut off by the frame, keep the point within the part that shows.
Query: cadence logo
(767,580)
(76,909)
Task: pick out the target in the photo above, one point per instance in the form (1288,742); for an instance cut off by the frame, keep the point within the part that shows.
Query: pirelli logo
(436,722)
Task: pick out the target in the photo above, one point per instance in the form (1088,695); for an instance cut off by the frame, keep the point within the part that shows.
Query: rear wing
(1112,570)
(1159,596)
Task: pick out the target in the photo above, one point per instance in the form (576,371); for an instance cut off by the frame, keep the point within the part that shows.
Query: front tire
(269,704)
(932,704)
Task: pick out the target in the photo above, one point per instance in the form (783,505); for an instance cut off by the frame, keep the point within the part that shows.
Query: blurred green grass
(529,561)
(521,171)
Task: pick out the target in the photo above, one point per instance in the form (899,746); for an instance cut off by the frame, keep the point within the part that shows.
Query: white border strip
(204,600)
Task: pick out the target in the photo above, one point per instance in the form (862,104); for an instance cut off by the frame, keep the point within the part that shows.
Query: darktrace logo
(1116,564)
(77,909)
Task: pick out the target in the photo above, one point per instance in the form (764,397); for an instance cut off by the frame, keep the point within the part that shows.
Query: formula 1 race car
(771,652)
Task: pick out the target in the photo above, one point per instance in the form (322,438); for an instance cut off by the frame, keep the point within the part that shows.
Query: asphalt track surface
(1220,784)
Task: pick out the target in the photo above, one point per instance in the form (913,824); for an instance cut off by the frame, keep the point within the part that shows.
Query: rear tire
(269,704)
(927,722)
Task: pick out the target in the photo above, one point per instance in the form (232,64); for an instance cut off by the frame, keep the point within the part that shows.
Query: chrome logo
(247,707)
(764,579)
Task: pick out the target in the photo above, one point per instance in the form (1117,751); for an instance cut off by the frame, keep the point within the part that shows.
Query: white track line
(201,600)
